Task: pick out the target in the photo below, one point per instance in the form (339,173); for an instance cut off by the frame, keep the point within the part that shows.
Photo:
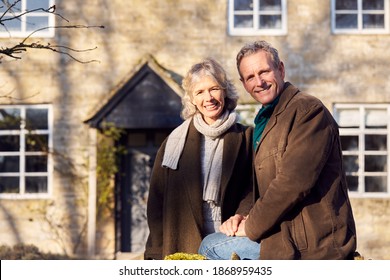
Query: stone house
(54,110)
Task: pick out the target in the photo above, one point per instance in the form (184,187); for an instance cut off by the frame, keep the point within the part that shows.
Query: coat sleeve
(246,202)
(153,248)
(298,166)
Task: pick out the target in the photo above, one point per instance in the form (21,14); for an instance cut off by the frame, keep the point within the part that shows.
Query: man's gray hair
(254,47)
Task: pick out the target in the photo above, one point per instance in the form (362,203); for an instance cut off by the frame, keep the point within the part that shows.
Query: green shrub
(27,252)
(184,256)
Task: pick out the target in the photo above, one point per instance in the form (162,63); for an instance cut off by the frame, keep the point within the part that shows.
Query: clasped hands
(234,226)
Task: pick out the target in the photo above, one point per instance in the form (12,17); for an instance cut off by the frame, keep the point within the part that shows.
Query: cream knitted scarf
(176,139)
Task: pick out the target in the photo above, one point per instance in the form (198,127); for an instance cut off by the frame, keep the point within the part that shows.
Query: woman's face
(209,99)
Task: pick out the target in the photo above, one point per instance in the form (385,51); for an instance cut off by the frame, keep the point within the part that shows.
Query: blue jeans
(218,246)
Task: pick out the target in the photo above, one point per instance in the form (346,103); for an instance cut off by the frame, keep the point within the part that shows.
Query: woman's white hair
(208,67)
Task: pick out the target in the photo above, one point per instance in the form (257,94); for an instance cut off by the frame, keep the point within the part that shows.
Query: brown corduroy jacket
(303,211)
(174,208)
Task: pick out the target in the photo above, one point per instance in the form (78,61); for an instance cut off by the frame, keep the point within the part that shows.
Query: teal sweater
(261,121)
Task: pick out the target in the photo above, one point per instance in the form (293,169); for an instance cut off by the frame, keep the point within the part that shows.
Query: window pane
(274,22)
(373,21)
(36,4)
(9,164)
(243,5)
(270,5)
(375,142)
(348,117)
(351,163)
(7,4)
(376,118)
(373,4)
(9,119)
(375,184)
(36,119)
(349,143)
(37,143)
(346,21)
(375,163)
(36,184)
(346,4)
(9,184)
(11,25)
(9,143)
(36,164)
(353,183)
(34,23)
(243,21)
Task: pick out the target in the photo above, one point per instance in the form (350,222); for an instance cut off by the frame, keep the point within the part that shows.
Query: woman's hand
(234,226)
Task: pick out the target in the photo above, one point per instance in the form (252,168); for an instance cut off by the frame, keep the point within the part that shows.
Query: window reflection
(375,184)
(9,119)
(9,164)
(374,163)
(346,4)
(243,5)
(9,184)
(36,119)
(375,142)
(271,21)
(243,21)
(349,143)
(351,163)
(270,5)
(353,183)
(36,184)
(373,4)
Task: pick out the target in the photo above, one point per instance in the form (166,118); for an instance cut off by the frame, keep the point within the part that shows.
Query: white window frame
(361,131)
(359,29)
(23,32)
(22,132)
(255,30)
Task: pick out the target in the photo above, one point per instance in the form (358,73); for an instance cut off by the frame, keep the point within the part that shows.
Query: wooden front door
(133,187)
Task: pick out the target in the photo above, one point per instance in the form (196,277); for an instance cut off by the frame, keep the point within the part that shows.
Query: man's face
(261,78)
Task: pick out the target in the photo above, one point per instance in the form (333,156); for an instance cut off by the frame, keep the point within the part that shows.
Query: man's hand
(234,226)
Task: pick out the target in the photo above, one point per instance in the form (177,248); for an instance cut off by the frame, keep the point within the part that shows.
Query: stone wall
(178,33)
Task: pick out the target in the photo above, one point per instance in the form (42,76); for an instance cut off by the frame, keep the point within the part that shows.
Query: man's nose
(259,81)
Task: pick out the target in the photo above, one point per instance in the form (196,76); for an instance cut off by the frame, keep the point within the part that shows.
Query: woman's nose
(209,96)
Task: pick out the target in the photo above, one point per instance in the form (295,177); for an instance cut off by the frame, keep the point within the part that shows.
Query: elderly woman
(202,174)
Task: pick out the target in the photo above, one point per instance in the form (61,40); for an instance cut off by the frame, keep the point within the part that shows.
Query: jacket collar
(286,95)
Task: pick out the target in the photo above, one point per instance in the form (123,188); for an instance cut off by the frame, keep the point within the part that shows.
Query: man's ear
(281,69)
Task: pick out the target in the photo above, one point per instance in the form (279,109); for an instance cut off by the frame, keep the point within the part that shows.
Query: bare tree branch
(50,10)
(16,50)
(22,47)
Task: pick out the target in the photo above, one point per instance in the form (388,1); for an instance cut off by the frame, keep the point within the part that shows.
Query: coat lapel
(231,148)
(192,174)
(289,92)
